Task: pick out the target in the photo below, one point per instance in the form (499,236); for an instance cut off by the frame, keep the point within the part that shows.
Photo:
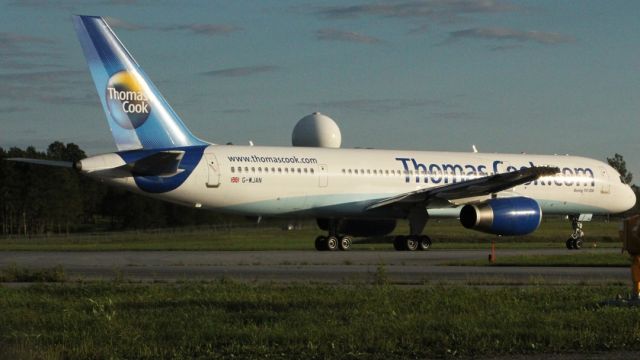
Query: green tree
(617,162)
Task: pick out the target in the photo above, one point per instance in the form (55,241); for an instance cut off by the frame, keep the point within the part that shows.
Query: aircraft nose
(629,199)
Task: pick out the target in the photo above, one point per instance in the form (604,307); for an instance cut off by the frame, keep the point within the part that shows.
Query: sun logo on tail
(128,104)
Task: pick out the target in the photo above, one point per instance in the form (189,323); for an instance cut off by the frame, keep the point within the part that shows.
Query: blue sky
(509,76)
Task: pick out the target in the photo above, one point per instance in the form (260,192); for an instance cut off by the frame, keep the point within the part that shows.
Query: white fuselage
(321,182)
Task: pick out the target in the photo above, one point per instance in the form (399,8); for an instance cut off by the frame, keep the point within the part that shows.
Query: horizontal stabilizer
(163,163)
(65,164)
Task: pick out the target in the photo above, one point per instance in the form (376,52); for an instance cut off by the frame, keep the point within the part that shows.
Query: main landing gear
(333,243)
(575,241)
(411,242)
(415,241)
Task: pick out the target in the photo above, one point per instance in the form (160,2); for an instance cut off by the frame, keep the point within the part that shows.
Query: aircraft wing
(470,188)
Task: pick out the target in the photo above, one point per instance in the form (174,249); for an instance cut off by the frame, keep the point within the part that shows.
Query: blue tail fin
(138,115)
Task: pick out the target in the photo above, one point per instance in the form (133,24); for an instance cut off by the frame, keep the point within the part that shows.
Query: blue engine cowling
(505,216)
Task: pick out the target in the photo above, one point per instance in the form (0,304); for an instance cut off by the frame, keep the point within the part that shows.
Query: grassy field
(446,234)
(225,320)
(569,259)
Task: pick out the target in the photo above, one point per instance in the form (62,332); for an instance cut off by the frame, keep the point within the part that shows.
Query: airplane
(351,192)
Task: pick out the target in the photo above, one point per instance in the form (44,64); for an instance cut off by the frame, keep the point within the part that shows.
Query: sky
(543,77)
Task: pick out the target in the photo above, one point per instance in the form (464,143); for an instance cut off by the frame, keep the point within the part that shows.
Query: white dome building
(316,130)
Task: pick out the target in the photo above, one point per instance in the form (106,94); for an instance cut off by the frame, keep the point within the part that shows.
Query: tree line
(41,199)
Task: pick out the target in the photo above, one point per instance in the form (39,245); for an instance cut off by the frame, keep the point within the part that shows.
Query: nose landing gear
(575,241)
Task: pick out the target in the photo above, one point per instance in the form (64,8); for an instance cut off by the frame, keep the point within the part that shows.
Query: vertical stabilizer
(139,117)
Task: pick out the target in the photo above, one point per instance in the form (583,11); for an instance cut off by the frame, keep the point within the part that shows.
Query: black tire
(411,243)
(424,243)
(332,243)
(398,243)
(345,243)
(577,244)
(321,243)
(569,243)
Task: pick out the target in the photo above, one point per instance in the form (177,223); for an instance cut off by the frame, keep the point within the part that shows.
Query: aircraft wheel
(411,243)
(345,243)
(569,243)
(398,243)
(321,243)
(424,243)
(332,243)
(577,244)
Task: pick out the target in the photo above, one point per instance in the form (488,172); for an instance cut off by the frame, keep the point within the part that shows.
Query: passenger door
(213,170)
(605,185)
(323,180)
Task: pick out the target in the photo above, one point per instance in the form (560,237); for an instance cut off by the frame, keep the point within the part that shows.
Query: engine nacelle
(505,216)
(361,227)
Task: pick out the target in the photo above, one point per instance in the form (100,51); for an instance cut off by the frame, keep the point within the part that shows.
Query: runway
(309,266)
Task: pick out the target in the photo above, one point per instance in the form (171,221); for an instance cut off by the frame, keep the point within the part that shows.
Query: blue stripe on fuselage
(162,184)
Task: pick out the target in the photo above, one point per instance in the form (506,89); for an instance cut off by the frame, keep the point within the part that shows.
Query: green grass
(572,259)
(446,234)
(225,320)
(14,273)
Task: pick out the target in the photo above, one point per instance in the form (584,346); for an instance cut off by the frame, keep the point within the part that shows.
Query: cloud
(242,71)
(71,4)
(51,87)
(233,111)
(373,105)
(438,10)
(12,109)
(203,29)
(122,24)
(8,39)
(200,29)
(17,51)
(506,47)
(348,36)
(502,34)
(453,115)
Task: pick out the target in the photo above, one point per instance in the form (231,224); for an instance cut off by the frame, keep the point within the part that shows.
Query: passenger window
(233,169)
(311,170)
(246,169)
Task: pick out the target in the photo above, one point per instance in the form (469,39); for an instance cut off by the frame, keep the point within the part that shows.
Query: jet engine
(361,227)
(505,216)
